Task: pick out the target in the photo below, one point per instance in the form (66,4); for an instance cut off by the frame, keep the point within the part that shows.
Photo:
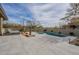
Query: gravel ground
(41,44)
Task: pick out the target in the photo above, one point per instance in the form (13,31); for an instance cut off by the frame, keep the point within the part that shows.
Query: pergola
(2,18)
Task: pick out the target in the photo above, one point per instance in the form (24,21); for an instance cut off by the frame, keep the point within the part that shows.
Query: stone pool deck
(41,44)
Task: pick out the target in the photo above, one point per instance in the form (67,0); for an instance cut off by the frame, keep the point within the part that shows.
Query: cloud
(49,14)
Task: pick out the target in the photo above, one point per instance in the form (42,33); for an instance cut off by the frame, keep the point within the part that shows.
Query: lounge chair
(25,34)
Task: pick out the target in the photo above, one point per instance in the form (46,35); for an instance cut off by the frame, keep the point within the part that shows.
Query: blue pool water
(55,34)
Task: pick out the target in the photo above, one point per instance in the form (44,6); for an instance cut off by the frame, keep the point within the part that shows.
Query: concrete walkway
(39,45)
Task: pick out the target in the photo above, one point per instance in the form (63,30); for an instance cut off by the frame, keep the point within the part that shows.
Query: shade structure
(2,18)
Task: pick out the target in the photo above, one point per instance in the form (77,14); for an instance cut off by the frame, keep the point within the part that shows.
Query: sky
(48,14)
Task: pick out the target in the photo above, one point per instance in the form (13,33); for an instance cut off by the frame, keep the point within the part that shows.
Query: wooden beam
(1,26)
(3,13)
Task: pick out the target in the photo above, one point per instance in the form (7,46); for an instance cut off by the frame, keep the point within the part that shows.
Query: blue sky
(48,14)
(16,11)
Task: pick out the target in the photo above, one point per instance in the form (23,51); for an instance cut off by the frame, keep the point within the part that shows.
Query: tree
(29,24)
(33,25)
(72,11)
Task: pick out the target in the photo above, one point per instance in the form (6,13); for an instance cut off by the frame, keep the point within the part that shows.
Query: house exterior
(3,17)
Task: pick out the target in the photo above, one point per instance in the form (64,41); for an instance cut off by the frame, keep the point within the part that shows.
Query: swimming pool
(55,34)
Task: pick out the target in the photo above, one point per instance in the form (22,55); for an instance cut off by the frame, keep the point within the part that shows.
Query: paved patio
(40,44)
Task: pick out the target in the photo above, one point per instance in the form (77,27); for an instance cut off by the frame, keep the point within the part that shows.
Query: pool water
(55,34)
